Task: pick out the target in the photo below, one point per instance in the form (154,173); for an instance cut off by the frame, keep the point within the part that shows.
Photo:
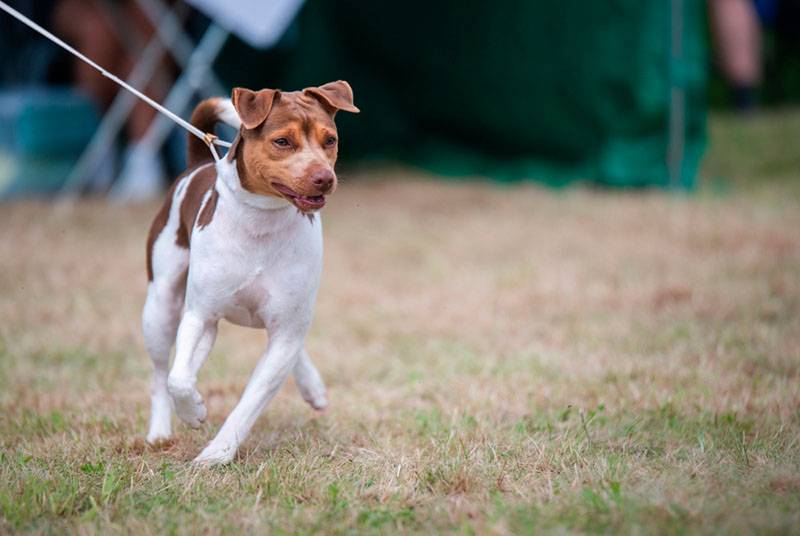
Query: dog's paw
(190,408)
(160,429)
(315,396)
(157,438)
(318,401)
(214,455)
(188,402)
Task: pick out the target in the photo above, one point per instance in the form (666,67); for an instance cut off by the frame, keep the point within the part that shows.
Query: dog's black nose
(323,180)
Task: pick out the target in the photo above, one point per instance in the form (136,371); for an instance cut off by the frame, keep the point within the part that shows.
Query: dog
(241,240)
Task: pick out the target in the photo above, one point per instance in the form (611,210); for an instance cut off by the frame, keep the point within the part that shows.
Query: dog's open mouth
(306,203)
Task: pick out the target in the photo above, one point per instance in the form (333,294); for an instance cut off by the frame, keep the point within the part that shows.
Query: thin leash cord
(208,138)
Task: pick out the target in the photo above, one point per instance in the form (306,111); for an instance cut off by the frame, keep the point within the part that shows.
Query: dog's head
(288,141)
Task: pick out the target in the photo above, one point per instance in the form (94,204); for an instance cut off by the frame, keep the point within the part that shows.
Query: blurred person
(113,33)
(737,33)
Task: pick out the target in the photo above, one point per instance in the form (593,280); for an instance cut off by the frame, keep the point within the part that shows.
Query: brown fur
(195,190)
(200,184)
(307,124)
(207,214)
(204,117)
(253,107)
(335,96)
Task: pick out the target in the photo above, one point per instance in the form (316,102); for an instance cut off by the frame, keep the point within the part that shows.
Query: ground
(500,359)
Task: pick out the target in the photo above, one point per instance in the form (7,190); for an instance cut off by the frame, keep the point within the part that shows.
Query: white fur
(227,113)
(256,264)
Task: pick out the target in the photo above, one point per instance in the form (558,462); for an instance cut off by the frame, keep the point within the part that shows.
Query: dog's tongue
(310,202)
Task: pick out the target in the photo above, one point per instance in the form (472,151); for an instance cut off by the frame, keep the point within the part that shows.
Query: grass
(505,360)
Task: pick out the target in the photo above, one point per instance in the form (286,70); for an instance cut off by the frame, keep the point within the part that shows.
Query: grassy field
(502,360)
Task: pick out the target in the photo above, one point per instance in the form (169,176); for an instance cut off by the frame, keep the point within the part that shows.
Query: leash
(209,139)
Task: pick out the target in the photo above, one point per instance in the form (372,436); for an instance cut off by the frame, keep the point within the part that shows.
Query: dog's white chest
(247,301)
(248,267)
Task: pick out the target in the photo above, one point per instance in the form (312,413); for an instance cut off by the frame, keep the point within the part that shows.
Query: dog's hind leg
(309,382)
(160,318)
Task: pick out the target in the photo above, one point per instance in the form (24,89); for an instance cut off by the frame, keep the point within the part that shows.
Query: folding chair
(197,76)
(169,36)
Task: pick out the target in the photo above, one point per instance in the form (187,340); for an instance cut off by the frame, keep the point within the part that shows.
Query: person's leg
(738,37)
(113,35)
(89,29)
(158,87)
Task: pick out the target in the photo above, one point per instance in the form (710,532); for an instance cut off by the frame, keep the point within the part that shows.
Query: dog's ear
(253,106)
(334,96)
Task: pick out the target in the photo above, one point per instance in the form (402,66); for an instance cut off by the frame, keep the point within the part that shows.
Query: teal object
(42,133)
(554,91)
(25,176)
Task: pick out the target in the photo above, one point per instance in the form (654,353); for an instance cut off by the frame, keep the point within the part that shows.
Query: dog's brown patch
(305,123)
(195,191)
(204,117)
(207,214)
(232,151)
(253,107)
(335,96)
(198,186)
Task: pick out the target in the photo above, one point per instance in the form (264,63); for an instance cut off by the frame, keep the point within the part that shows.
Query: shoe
(142,178)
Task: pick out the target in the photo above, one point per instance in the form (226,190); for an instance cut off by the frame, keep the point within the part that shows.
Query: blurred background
(612,93)
(561,284)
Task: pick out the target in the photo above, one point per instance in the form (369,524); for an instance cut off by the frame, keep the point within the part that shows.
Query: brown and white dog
(241,240)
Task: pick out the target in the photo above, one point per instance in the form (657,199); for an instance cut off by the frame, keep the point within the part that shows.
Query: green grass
(504,360)
(755,153)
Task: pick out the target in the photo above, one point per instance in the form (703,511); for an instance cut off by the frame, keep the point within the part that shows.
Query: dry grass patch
(500,360)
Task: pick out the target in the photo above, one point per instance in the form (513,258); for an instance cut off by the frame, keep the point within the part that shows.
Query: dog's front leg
(196,336)
(270,373)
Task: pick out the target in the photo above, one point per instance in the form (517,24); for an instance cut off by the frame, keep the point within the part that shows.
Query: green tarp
(555,91)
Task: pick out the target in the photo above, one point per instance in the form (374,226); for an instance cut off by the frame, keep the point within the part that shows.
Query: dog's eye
(281,142)
(330,141)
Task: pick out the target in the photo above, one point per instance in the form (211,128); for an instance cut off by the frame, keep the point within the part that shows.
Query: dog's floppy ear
(335,96)
(253,106)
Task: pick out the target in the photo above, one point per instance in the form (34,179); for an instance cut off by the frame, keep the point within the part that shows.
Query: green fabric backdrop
(555,91)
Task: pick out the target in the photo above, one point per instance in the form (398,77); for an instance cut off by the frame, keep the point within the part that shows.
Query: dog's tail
(205,117)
